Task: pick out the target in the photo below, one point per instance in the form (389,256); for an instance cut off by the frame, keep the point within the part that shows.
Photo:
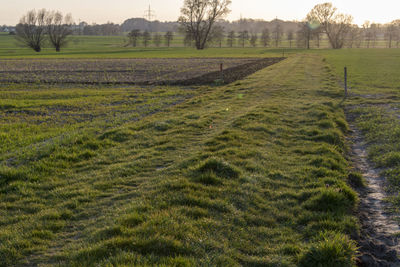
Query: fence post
(345,82)
(221,69)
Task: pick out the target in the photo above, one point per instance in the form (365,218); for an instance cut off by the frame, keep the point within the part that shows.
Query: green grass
(373,105)
(249,174)
(115,47)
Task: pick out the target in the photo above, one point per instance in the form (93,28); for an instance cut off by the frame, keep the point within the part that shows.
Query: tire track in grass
(379,244)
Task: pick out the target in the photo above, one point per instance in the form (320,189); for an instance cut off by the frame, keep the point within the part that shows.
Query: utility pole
(149,14)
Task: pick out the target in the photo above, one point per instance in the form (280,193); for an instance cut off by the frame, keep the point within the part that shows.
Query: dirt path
(378,243)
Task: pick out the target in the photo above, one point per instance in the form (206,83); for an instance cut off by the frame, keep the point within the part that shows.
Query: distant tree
(253,39)
(265,37)
(316,36)
(188,39)
(290,37)
(277,34)
(157,40)
(354,37)
(333,24)
(396,36)
(374,29)
(134,36)
(198,18)
(230,40)
(217,35)
(169,36)
(304,34)
(31,30)
(146,38)
(243,37)
(367,33)
(58,29)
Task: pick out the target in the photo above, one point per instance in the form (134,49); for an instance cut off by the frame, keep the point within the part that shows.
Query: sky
(102,11)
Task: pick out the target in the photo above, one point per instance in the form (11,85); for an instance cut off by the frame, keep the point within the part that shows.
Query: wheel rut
(378,241)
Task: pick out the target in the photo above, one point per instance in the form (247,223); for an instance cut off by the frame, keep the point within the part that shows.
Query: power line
(149,14)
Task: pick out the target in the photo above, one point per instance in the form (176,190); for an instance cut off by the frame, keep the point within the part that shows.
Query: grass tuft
(334,250)
(219,167)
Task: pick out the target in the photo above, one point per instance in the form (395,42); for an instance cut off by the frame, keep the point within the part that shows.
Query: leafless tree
(169,36)
(157,40)
(396,36)
(230,40)
(316,36)
(146,38)
(253,39)
(367,32)
(335,25)
(133,36)
(188,38)
(304,34)
(243,37)
(374,29)
(354,37)
(198,18)
(390,33)
(277,34)
(58,29)
(31,30)
(290,37)
(217,35)
(265,37)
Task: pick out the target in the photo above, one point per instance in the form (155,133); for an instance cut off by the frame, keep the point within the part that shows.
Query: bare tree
(230,40)
(146,38)
(277,34)
(243,37)
(334,24)
(253,39)
(31,29)
(217,35)
(198,18)
(169,36)
(188,38)
(133,36)
(290,37)
(354,37)
(58,29)
(316,36)
(374,28)
(265,37)
(304,34)
(367,32)
(157,40)
(396,36)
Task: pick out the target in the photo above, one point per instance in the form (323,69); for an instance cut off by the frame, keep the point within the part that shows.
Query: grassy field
(114,47)
(375,104)
(254,173)
(179,176)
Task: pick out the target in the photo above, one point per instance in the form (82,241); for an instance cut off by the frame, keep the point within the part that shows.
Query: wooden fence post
(345,82)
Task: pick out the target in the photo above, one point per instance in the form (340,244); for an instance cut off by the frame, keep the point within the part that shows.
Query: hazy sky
(117,11)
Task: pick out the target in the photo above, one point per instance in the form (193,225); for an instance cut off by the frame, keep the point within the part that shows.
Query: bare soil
(152,71)
(378,241)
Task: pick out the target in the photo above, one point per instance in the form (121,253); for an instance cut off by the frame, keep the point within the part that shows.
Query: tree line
(201,24)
